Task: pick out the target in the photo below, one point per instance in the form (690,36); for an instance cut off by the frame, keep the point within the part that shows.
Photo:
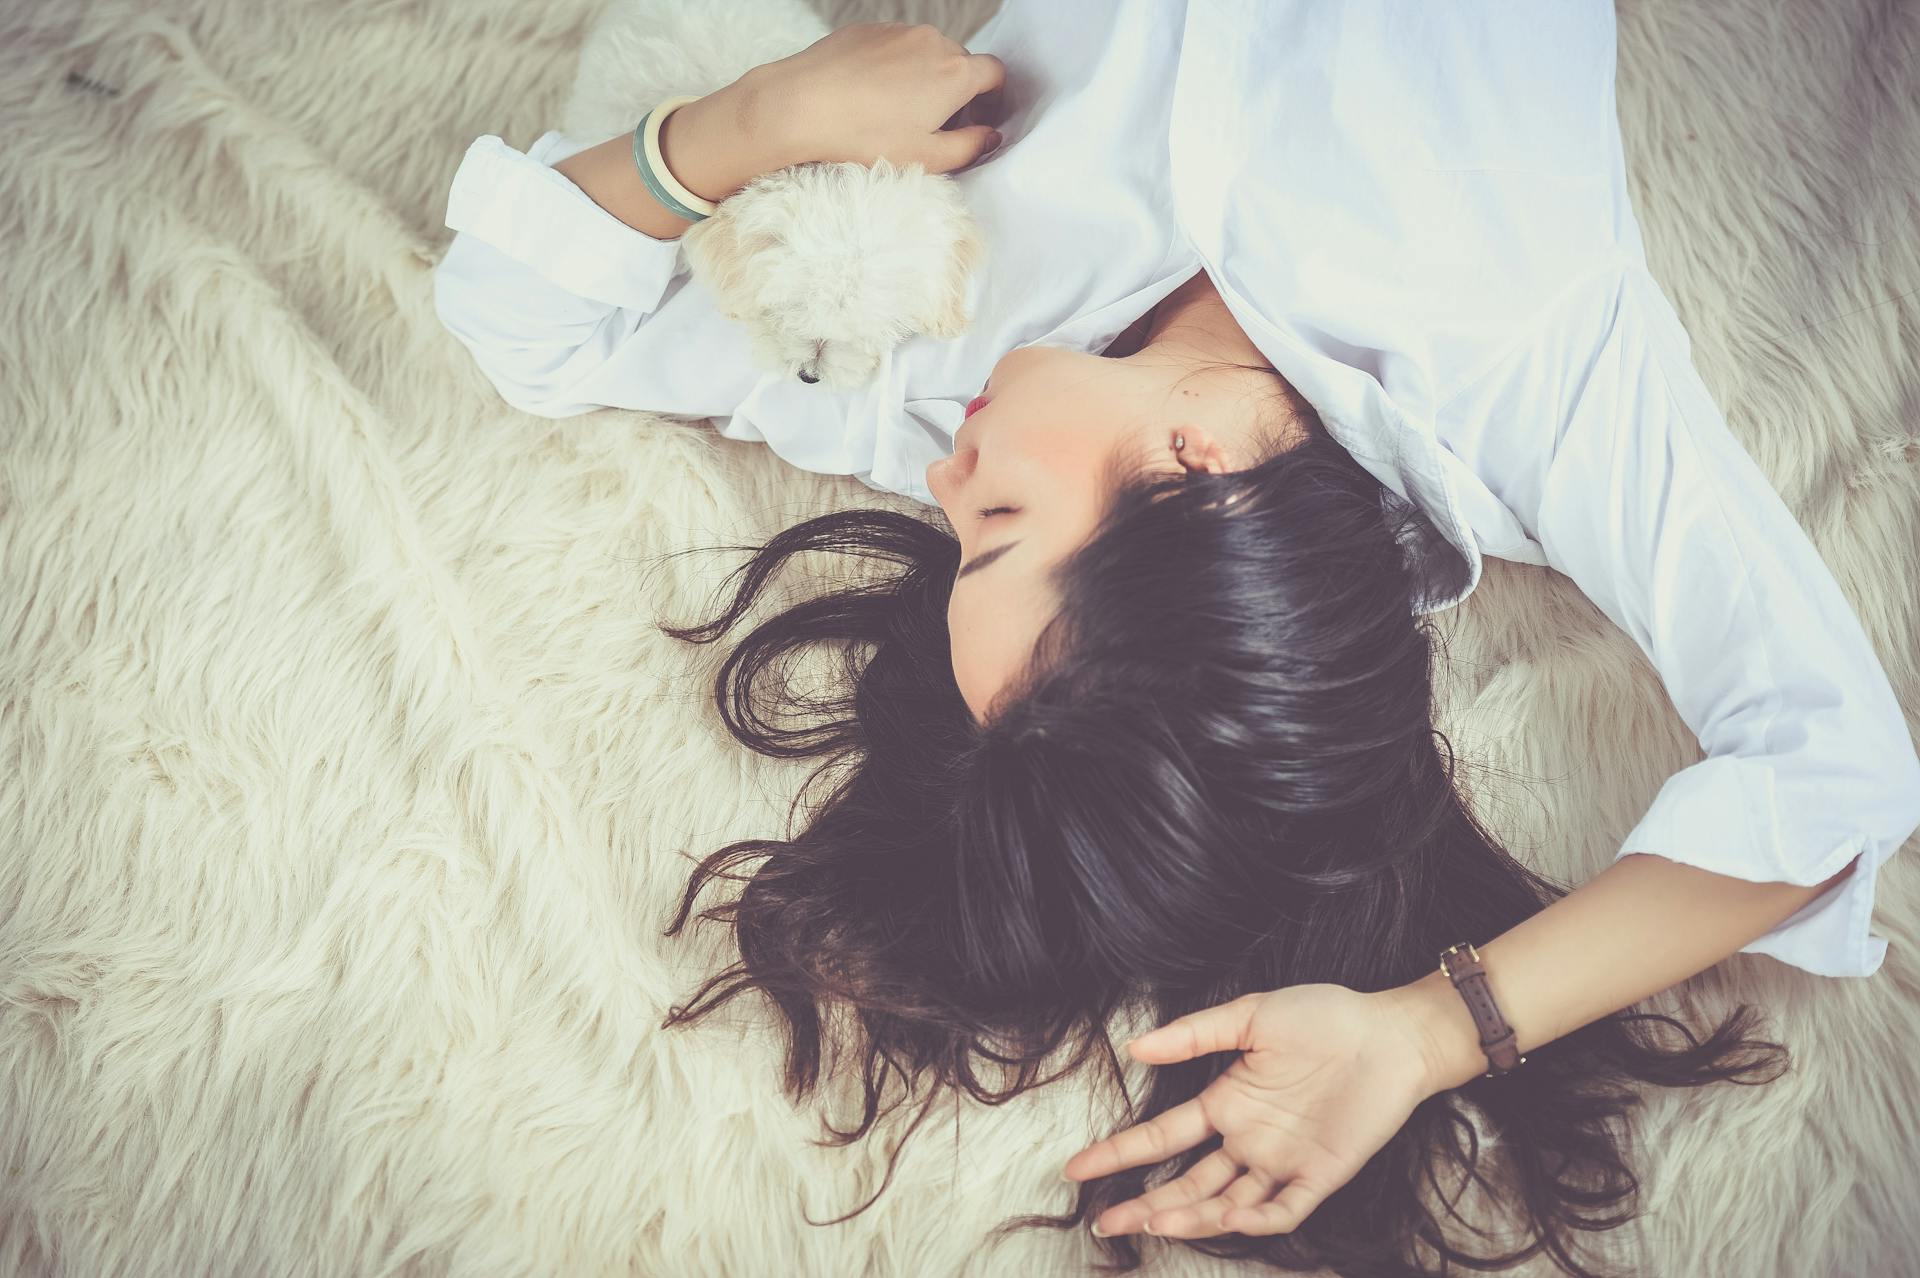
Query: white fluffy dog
(828,265)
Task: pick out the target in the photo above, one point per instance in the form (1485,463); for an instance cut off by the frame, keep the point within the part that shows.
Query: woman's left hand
(1326,1076)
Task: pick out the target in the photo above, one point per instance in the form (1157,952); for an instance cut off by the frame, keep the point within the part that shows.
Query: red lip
(974,405)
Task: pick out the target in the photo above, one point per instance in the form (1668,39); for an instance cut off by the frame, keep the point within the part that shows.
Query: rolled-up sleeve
(1638,491)
(564,307)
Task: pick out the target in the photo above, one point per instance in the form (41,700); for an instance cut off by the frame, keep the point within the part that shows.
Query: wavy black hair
(1219,774)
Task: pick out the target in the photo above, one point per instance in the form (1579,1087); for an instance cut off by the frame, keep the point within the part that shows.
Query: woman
(1292,313)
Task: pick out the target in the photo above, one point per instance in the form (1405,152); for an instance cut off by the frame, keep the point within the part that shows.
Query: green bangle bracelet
(646,146)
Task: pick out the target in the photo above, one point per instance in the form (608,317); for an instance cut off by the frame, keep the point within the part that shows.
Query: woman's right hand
(879,89)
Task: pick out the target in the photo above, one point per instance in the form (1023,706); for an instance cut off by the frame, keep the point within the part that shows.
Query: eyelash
(995,510)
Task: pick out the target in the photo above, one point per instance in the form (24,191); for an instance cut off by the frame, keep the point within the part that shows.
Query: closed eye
(990,511)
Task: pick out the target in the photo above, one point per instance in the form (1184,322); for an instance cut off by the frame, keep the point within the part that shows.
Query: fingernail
(1096,1230)
(1150,1229)
(996,140)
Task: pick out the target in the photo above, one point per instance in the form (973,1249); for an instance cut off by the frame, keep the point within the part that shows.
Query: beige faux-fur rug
(346,784)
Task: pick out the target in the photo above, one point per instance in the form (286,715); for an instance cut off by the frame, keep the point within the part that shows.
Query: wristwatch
(1461,964)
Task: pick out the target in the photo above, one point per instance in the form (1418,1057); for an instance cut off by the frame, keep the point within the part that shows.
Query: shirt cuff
(1719,815)
(537,215)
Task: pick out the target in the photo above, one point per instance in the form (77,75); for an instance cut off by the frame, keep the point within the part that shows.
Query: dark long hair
(1219,775)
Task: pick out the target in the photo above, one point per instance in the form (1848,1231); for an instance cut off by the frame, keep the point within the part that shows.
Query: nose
(809,378)
(946,476)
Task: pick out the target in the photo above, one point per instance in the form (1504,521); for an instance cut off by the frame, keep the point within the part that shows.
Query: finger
(1283,1215)
(986,74)
(988,108)
(1205,1217)
(1255,1186)
(1214,1029)
(1197,1184)
(1156,1140)
(956,148)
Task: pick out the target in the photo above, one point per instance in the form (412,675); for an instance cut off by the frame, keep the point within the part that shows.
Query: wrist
(1447,1038)
(717,144)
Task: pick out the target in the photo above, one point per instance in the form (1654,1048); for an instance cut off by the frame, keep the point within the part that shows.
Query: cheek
(1060,414)
(1062,458)
(967,651)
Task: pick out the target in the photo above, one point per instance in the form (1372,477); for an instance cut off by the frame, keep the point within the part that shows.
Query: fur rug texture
(347,784)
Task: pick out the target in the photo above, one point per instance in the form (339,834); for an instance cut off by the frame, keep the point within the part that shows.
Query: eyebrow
(981,561)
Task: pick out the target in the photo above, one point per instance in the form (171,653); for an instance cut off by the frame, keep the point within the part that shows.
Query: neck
(1193,322)
(1192,327)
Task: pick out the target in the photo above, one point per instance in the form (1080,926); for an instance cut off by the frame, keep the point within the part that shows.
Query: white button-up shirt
(1419,213)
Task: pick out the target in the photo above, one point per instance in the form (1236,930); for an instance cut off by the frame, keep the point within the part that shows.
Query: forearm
(713,147)
(1640,926)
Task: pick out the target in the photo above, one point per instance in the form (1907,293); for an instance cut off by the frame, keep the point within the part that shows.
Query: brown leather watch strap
(1461,964)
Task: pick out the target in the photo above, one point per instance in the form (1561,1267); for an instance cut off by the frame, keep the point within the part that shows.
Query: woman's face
(1034,458)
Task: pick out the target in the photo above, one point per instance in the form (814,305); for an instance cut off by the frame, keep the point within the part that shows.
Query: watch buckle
(1463,945)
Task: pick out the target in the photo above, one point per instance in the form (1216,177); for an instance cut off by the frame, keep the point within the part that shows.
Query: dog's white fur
(347,786)
(827,266)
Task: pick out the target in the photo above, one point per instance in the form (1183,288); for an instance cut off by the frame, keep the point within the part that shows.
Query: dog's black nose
(809,378)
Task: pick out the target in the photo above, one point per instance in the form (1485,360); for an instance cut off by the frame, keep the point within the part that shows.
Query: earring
(1179,441)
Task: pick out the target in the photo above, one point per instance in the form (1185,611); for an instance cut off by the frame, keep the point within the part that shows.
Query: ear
(947,317)
(1203,451)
